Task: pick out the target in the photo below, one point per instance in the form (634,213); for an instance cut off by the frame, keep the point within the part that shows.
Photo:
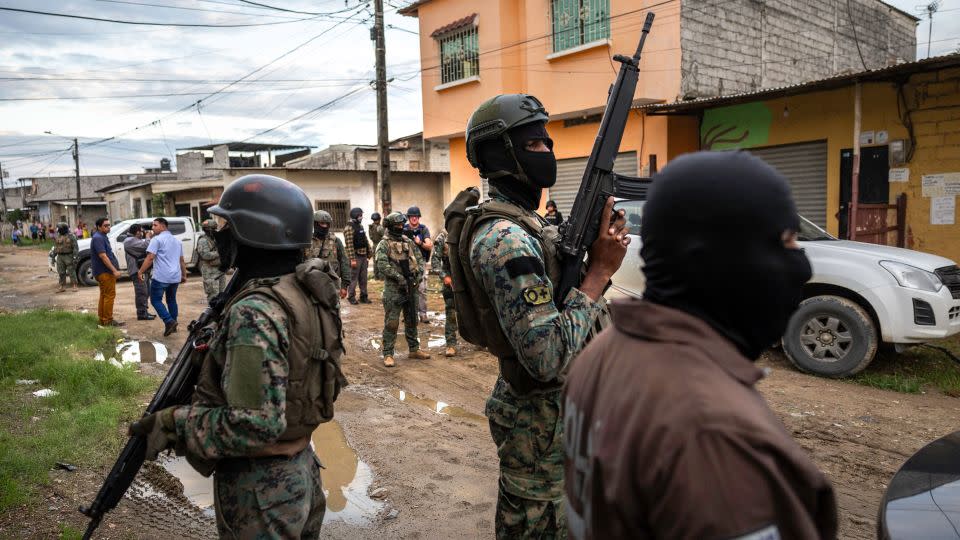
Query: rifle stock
(176,389)
(599,181)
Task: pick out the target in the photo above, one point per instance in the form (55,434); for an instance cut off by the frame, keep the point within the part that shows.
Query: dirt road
(410,455)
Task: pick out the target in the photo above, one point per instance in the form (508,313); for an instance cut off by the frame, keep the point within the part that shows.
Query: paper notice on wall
(943,210)
(940,185)
(899,175)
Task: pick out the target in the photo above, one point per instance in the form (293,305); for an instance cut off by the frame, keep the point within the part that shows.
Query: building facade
(410,153)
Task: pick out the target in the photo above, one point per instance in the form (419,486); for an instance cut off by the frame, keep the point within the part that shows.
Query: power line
(128,2)
(319,108)
(293,10)
(147,23)
(141,96)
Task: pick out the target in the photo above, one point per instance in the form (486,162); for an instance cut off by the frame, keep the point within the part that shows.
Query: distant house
(53,199)
(410,153)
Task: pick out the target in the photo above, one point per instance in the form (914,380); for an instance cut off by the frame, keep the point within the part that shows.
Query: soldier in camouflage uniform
(439,262)
(328,247)
(508,142)
(400,263)
(67,251)
(255,405)
(214,281)
(375,229)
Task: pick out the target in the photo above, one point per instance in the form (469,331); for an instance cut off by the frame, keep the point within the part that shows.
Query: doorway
(874,180)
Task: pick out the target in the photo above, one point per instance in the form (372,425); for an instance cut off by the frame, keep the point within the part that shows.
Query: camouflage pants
(67,267)
(263,498)
(450,326)
(213,282)
(528,433)
(394,304)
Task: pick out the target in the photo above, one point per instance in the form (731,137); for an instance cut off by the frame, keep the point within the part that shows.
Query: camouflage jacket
(254,322)
(375,234)
(508,263)
(389,269)
(207,252)
(438,258)
(75,249)
(331,249)
(348,242)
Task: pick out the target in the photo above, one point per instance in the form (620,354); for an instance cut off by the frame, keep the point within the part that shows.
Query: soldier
(67,251)
(440,264)
(266,382)
(358,249)
(400,263)
(376,230)
(214,281)
(328,247)
(515,269)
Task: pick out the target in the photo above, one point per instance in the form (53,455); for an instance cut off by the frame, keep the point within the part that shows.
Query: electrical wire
(128,2)
(293,10)
(856,39)
(148,23)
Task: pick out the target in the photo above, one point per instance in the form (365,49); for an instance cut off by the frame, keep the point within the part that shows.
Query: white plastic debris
(46,392)
(439,342)
(99,357)
(84,311)
(27,381)
(375,344)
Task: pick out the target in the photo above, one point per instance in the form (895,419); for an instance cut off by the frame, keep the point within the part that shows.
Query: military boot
(388,361)
(418,355)
(451,351)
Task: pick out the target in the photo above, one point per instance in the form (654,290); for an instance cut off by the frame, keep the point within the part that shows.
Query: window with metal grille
(459,55)
(576,22)
(339,210)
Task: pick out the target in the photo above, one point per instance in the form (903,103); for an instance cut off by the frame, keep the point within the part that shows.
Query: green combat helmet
(494,118)
(394,221)
(322,216)
(208,225)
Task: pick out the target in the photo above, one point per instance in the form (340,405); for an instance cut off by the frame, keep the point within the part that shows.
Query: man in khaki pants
(106,271)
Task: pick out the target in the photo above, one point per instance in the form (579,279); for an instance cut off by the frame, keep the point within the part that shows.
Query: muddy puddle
(134,352)
(346,480)
(438,407)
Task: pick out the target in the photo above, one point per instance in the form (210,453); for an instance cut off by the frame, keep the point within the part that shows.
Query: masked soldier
(513,264)
(213,279)
(328,247)
(358,250)
(440,263)
(376,230)
(67,251)
(271,372)
(400,263)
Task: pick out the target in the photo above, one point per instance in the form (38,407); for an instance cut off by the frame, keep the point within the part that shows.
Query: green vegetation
(80,424)
(26,241)
(915,370)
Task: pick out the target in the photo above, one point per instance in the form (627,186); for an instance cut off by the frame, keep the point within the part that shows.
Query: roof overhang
(184,185)
(410,10)
(250,147)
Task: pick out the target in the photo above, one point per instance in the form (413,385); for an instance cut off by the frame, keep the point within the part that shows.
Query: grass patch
(29,242)
(80,424)
(916,370)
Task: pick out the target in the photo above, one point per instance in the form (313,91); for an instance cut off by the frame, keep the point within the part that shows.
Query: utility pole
(383,140)
(931,8)
(76,174)
(3,195)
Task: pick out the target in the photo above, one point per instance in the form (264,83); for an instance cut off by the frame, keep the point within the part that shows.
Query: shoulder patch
(537,295)
(770,532)
(522,266)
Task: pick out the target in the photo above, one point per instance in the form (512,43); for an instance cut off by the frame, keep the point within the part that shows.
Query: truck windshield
(810,232)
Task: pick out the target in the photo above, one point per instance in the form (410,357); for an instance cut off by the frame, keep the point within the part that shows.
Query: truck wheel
(830,336)
(85,273)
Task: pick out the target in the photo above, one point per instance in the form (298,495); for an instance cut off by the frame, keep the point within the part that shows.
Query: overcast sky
(52,57)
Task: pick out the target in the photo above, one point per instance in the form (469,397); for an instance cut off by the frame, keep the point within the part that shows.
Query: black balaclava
(319,231)
(63,230)
(539,168)
(395,231)
(226,247)
(253,263)
(712,246)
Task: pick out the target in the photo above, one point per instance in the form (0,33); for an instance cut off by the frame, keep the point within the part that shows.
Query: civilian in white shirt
(165,255)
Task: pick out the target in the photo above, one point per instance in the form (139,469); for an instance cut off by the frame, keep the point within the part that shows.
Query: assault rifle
(585,221)
(176,389)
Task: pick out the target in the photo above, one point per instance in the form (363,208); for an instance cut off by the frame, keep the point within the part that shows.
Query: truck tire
(85,273)
(830,336)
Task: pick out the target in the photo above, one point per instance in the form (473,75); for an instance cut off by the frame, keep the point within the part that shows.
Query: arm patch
(243,387)
(522,266)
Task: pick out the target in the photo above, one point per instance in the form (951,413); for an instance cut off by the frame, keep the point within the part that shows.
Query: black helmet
(266,212)
(413,211)
(375,217)
(495,117)
(355,213)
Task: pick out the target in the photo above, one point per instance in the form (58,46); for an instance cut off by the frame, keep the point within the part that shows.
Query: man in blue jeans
(165,255)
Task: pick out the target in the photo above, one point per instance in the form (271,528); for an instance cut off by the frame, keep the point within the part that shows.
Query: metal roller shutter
(805,166)
(570,174)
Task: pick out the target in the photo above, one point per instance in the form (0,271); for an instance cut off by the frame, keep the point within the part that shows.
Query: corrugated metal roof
(249,147)
(837,81)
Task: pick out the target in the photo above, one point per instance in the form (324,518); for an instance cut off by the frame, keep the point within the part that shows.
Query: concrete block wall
(744,45)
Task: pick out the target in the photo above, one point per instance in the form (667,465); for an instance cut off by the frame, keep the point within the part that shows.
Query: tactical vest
(477,320)
(64,244)
(400,252)
(309,298)
(325,249)
(212,244)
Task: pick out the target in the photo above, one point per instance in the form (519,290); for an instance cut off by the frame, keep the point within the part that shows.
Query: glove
(159,431)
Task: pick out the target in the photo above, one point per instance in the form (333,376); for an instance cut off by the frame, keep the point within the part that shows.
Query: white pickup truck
(181,227)
(859,296)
